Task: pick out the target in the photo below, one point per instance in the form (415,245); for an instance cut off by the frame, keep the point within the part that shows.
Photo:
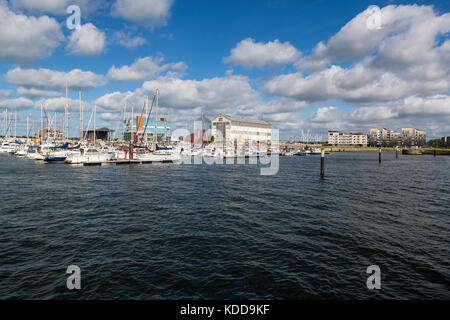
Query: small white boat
(7,148)
(89,155)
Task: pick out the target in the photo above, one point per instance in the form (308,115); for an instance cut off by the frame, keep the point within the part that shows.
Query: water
(226,232)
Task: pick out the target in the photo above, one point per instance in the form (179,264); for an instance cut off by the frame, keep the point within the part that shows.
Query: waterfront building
(99,134)
(50,134)
(384,138)
(162,129)
(233,131)
(339,138)
(413,137)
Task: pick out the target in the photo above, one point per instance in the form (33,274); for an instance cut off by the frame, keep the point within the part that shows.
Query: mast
(132,119)
(155,136)
(15,125)
(81,116)
(42,125)
(95,114)
(28,133)
(144,137)
(123,122)
(66,116)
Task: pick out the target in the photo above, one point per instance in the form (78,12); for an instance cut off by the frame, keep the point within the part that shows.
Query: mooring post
(131,152)
(322,164)
(396,153)
(434,153)
(379,156)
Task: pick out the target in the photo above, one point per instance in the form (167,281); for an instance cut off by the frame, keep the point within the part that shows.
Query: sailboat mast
(144,137)
(81,116)
(95,116)
(155,136)
(66,116)
(42,125)
(15,125)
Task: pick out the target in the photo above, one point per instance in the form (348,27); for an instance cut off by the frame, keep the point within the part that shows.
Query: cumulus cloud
(46,79)
(87,40)
(399,72)
(326,114)
(126,39)
(213,93)
(36,93)
(250,54)
(4,93)
(24,39)
(59,104)
(144,68)
(17,104)
(56,7)
(149,13)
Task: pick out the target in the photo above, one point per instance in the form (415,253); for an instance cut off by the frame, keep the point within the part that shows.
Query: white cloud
(5,93)
(326,114)
(210,95)
(87,40)
(19,103)
(24,39)
(59,104)
(36,93)
(126,39)
(46,79)
(56,7)
(144,68)
(149,13)
(250,54)
(405,57)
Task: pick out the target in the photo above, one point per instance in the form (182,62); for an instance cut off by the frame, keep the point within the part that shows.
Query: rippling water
(226,232)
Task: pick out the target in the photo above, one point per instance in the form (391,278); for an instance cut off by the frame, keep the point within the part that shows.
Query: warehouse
(232,131)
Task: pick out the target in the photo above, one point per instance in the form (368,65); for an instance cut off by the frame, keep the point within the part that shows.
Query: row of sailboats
(90,152)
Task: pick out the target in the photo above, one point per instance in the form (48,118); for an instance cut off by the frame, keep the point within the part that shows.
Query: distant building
(100,134)
(445,142)
(343,139)
(52,134)
(384,138)
(162,129)
(232,131)
(413,137)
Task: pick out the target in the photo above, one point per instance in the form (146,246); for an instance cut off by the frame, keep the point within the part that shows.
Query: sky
(304,66)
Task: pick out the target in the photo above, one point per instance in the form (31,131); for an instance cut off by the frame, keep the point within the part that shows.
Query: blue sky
(272,74)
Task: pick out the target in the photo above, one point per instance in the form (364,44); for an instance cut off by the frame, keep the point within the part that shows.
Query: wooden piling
(379,156)
(322,164)
(396,153)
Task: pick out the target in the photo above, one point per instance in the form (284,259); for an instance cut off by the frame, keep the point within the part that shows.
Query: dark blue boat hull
(55,159)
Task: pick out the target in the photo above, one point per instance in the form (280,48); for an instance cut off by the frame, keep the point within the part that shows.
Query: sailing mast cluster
(54,146)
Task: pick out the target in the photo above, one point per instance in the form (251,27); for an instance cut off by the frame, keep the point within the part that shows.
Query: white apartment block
(339,138)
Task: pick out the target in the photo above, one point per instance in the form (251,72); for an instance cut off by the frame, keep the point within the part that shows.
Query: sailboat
(156,153)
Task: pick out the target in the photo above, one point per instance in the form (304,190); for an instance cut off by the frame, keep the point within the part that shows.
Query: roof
(246,121)
(99,130)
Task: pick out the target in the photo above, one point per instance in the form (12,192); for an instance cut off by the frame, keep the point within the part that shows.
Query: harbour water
(225,231)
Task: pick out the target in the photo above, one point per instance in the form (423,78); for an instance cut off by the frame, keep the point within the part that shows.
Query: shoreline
(427,151)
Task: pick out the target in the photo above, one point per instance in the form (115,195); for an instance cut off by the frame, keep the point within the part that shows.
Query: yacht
(89,155)
(7,148)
